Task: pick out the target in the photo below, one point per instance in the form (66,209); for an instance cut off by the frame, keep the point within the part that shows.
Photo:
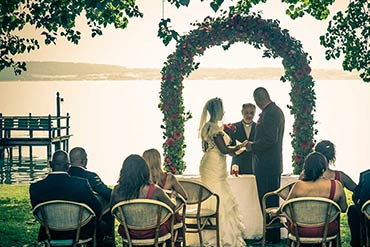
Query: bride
(213,174)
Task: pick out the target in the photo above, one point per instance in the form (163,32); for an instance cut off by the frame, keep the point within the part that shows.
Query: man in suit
(78,158)
(58,185)
(361,194)
(267,151)
(245,130)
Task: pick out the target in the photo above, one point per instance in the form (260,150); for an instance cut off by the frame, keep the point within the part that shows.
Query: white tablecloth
(244,188)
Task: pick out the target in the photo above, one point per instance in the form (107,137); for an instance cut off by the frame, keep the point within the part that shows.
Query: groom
(267,150)
(245,130)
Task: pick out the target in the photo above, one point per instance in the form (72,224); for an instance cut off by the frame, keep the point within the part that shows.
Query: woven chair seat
(68,242)
(148,241)
(311,240)
(204,212)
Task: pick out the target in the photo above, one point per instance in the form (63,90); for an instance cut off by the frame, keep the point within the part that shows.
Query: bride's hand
(244,144)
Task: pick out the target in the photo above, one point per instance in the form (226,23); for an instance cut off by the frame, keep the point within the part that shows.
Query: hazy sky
(139,46)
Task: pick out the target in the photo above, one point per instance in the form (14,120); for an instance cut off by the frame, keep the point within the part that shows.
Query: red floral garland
(226,30)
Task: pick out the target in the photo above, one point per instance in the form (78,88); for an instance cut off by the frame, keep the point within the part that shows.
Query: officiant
(244,130)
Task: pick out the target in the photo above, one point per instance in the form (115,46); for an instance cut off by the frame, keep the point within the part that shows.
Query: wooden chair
(197,194)
(311,212)
(144,214)
(364,226)
(273,213)
(60,215)
(179,227)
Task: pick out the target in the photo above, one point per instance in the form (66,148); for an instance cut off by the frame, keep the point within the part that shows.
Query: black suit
(361,194)
(244,160)
(101,189)
(95,182)
(61,186)
(268,157)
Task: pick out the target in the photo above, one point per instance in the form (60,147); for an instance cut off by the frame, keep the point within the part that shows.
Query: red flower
(174,117)
(165,107)
(173,169)
(297,158)
(259,119)
(168,77)
(305,145)
(170,142)
(177,134)
(229,128)
(168,161)
(299,74)
(307,69)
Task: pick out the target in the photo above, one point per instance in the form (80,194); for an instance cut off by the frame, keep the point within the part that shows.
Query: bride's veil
(203,118)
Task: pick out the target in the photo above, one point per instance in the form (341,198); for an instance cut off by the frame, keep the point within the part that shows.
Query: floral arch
(226,30)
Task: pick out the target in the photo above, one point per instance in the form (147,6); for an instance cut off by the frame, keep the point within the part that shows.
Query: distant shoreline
(63,71)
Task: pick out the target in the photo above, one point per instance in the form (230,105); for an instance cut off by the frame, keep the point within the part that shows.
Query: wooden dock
(19,132)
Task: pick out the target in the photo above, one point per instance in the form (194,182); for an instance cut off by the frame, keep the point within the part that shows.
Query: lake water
(112,119)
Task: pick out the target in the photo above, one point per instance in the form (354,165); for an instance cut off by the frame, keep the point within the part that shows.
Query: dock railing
(29,131)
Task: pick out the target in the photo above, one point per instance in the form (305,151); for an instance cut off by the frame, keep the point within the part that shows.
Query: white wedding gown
(213,174)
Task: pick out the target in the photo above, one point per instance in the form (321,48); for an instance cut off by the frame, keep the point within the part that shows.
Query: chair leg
(218,231)
(200,232)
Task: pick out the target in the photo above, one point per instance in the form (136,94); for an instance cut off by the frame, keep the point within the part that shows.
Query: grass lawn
(18,227)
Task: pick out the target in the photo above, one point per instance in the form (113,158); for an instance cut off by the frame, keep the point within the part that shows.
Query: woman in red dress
(315,184)
(134,183)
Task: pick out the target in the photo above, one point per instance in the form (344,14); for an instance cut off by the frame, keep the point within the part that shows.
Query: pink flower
(307,69)
(174,117)
(168,161)
(229,128)
(177,134)
(173,169)
(170,142)
(299,74)
(297,158)
(165,107)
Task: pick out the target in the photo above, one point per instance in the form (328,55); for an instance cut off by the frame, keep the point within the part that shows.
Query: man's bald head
(78,157)
(60,161)
(261,97)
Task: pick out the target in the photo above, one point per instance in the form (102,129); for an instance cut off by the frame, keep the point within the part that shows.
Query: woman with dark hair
(134,183)
(327,148)
(314,184)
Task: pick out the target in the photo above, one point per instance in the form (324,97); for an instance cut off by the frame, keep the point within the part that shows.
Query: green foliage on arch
(225,31)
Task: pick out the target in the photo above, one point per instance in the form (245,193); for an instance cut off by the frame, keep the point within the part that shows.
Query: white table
(244,189)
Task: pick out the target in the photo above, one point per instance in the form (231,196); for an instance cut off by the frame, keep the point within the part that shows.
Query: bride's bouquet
(229,128)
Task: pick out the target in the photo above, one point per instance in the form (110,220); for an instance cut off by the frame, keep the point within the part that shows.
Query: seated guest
(314,184)
(134,183)
(165,180)
(78,158)
(327,148)
(58,185)
(359,197)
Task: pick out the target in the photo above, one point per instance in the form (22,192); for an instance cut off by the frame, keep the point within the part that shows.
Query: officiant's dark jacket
(62,186)
(94,180)
(244,160)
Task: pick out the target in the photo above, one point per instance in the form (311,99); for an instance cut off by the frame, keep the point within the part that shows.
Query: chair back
(61,215)
(284,190)
(365,209)
(197,192)
(311,211)
(141,214)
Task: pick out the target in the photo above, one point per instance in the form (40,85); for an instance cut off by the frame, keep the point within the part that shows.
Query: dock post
(31,136)
(2,149)
(57,145)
